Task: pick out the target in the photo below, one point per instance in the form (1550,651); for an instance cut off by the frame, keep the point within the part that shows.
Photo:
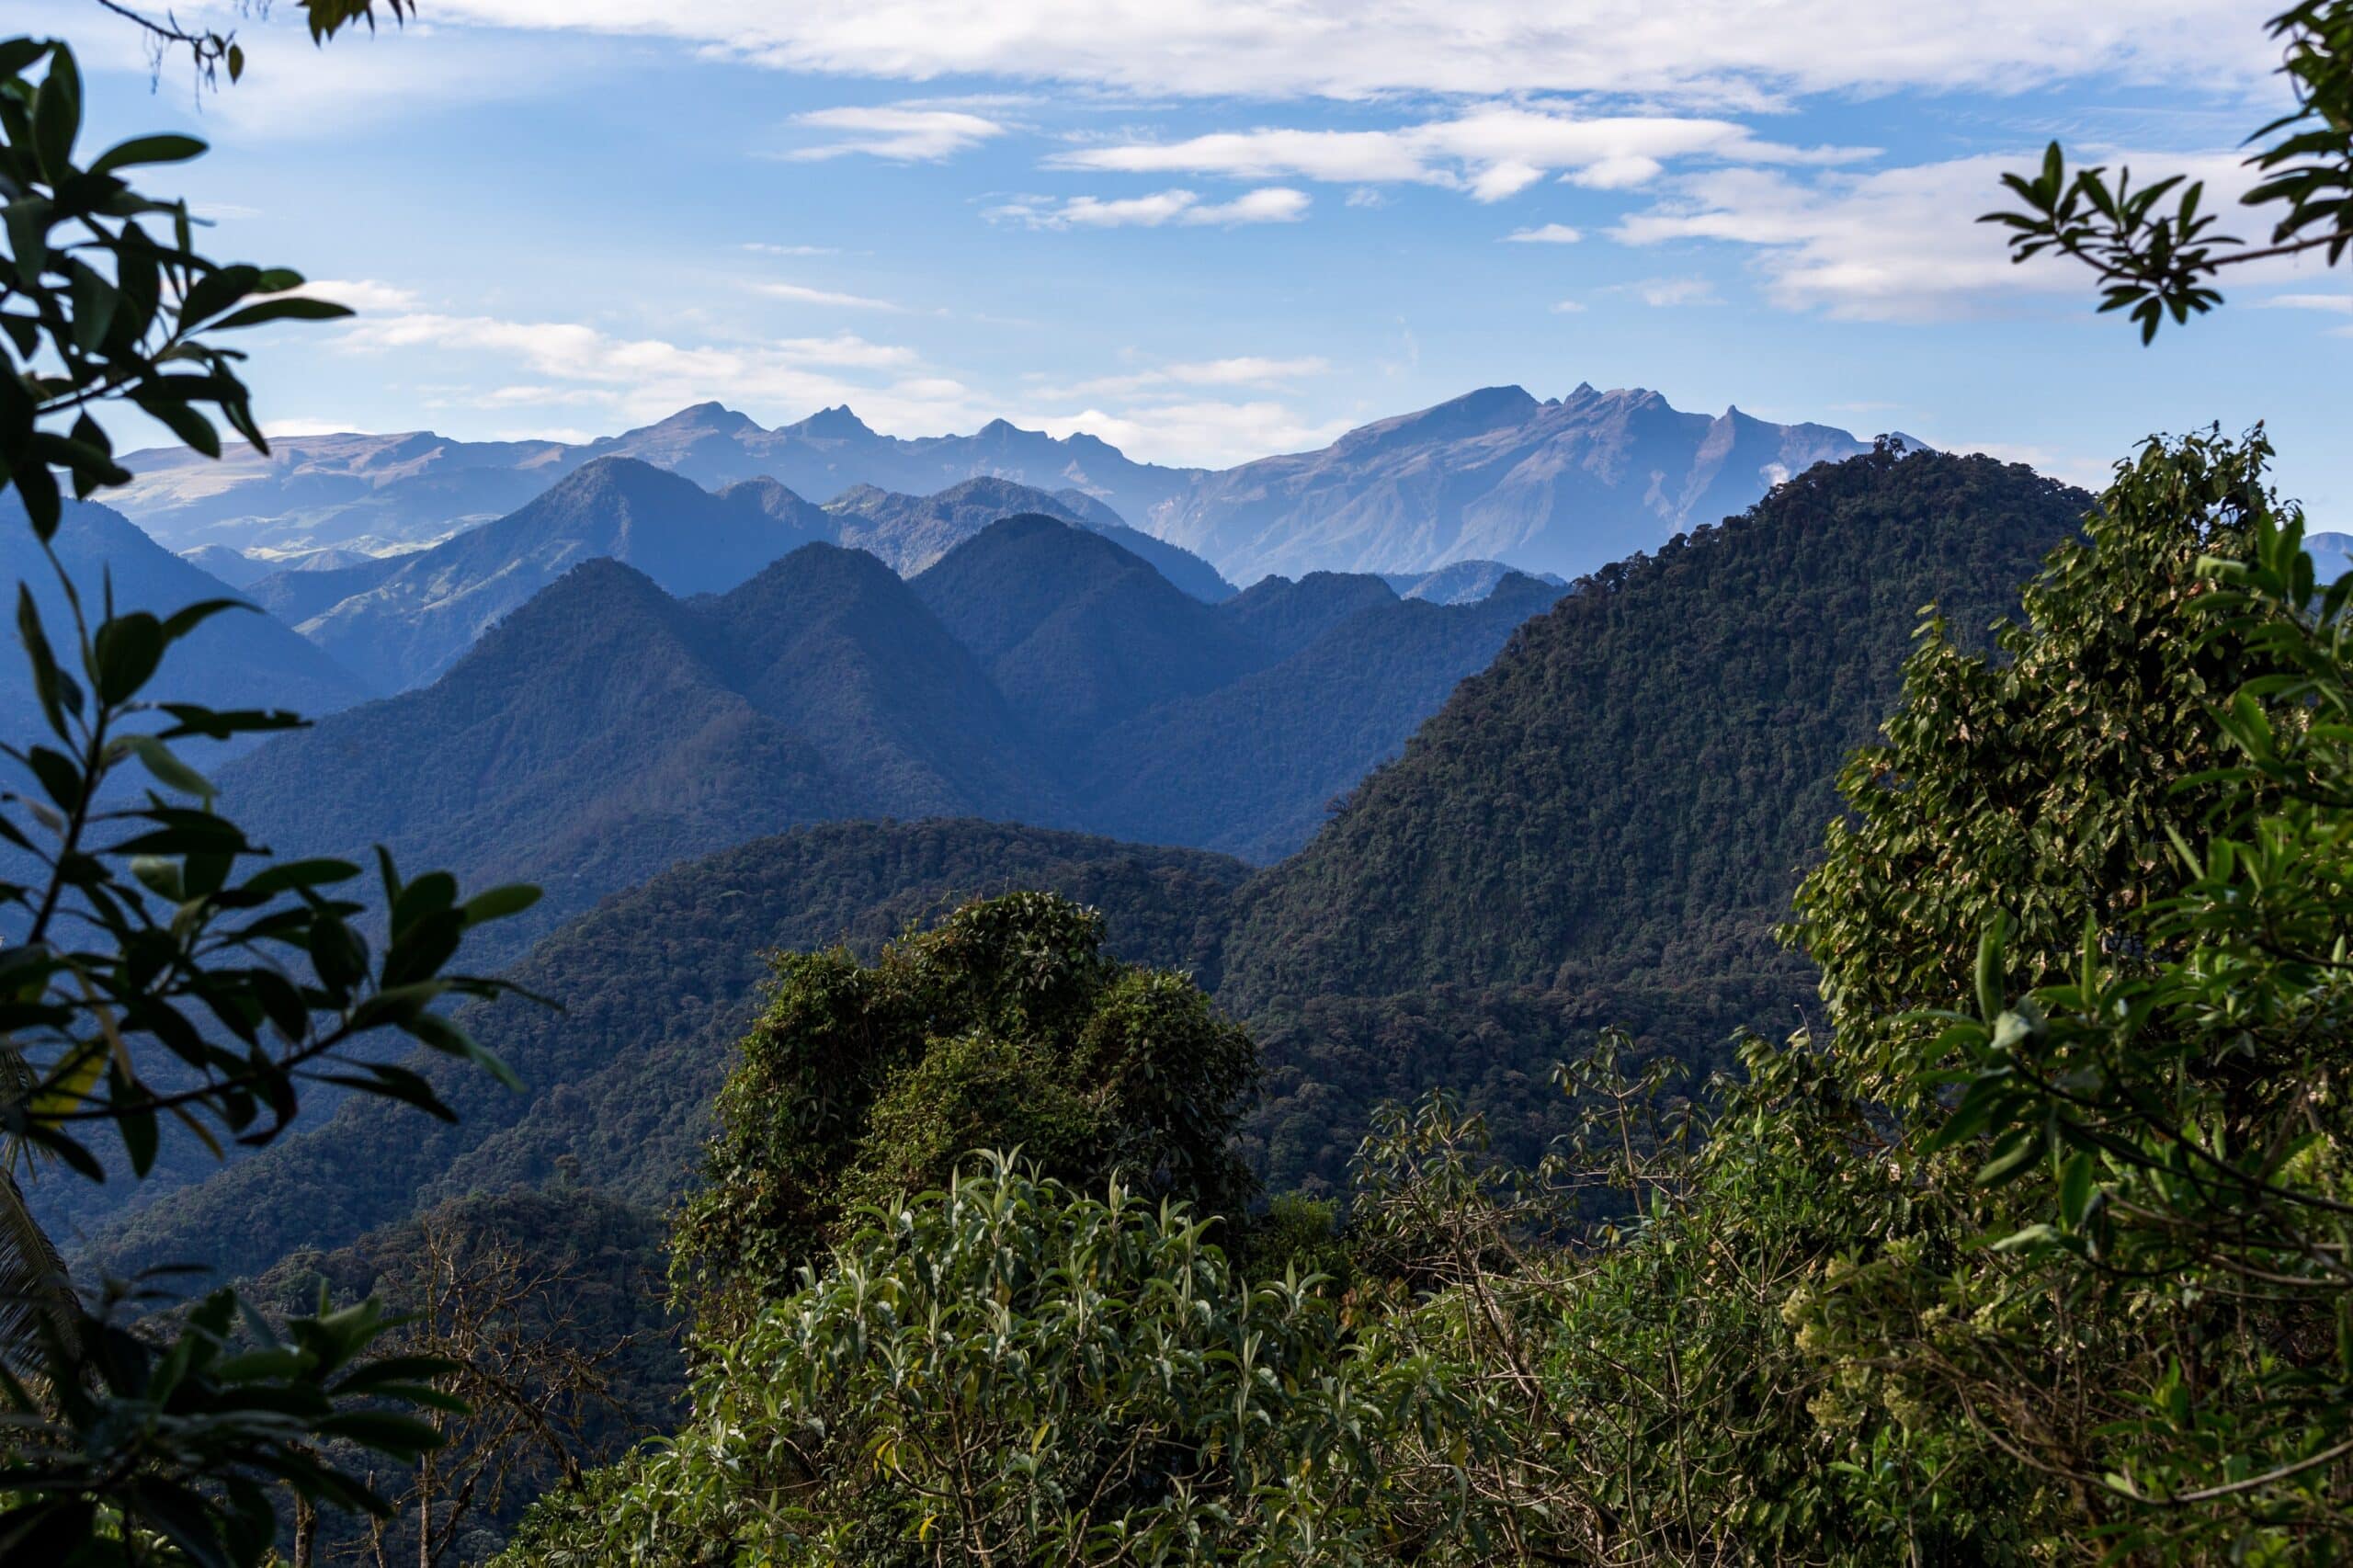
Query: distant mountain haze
(912,531)
(1561,485)
(416,622)
(1038,672)
(238,659)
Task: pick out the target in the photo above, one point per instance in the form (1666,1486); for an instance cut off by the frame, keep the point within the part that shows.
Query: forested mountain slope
(655,987)
(606,730)
(1643,770)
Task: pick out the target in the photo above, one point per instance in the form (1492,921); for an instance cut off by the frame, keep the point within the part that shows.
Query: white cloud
(1492,152)
(1217,434)
(800,294)
(1549,234)
(1271,204)
(1665,293)
(1717,51)
(549,364)
(2341,305)
(764,248)
(1895,244)
(362,294)
(1569,308)
(898,132)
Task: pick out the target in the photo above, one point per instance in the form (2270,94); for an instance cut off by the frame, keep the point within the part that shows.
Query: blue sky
(1208,232)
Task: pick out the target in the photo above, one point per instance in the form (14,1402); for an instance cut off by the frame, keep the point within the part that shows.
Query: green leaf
(57,116)
(2075,1189)
(498,903)
(126,649)
(168,770)
(291,309)
(159,149)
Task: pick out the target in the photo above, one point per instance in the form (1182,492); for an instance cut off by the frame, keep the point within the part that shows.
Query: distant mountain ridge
(236,660)
(401,621)
(1561,485)
(1038,672)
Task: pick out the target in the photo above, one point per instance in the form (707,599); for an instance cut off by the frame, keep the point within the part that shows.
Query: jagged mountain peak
(835,423)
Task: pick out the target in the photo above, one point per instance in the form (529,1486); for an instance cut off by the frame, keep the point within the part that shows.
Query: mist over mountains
(1561,485)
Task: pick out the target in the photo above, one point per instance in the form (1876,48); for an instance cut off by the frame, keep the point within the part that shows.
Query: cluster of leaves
(2154,246)
(1005,1025)
(104,296)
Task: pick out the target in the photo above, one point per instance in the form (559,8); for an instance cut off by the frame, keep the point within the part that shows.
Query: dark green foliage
(1646,768)
(658,987)
(572,1273)
(1006,1026)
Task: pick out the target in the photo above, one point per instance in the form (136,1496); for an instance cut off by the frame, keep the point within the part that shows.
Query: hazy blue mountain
(913,532)
(372,492)
(2332,554)
(1558,486)
(1287,616)
(409,627)
(240,659)
(1077,631)
(1255,766)
(1038,671)
(301,594)
(233,567)
(1561,485)
(606,730)
(1459,582)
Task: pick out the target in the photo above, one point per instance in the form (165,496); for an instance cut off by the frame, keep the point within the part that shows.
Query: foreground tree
(1006,1027)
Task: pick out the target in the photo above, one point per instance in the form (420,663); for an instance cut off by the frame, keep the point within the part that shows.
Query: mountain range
(608,728)
(1561,485)
(399,620)
(1601,828)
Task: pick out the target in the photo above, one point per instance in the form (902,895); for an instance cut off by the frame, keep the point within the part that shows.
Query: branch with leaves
(2155,245)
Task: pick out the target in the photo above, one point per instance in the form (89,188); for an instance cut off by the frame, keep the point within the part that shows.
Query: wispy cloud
(1491,153)
(1549,234)
(763,247)
(1895,245)
(1272,204)
(801,294)
(901,133)
(1710,51)
(532,364)
(1241,371)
